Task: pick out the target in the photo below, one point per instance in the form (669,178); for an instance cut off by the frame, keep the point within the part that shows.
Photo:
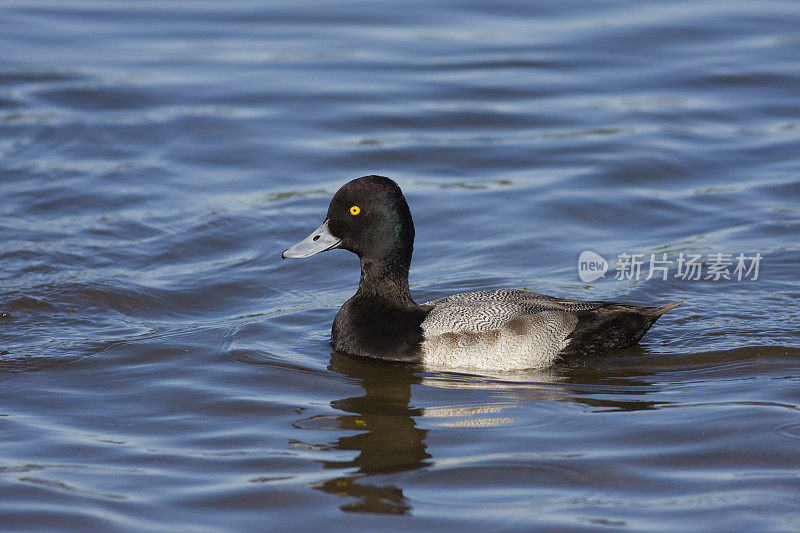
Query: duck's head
(368,216)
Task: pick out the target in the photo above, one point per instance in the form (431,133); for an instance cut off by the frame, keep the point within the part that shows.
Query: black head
(370,217)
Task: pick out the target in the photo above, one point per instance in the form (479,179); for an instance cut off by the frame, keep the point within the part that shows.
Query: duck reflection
(388,441)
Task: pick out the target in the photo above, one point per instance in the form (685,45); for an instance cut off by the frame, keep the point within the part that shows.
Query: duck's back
(505,329)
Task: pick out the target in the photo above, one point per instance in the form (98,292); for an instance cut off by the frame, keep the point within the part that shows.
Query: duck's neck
(385,282)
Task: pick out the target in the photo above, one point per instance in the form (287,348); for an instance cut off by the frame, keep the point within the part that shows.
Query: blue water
(162,368)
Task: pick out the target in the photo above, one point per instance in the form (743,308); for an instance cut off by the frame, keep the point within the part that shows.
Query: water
(161,366)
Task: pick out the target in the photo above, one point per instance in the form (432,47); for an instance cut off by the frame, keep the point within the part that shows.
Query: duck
(501,329)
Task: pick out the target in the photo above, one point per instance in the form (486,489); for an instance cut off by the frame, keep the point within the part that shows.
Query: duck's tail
(666,307)
(612,326)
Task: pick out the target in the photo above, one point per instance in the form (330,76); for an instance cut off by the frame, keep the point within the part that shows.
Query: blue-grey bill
(320,240)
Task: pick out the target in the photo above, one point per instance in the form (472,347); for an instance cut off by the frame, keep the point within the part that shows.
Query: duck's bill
(320,240)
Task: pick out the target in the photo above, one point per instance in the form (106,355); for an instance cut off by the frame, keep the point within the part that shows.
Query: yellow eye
(354,210)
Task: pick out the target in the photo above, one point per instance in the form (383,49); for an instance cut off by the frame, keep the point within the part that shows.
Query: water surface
(161,366)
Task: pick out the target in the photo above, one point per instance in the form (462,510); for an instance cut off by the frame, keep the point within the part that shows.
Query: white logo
(591,266)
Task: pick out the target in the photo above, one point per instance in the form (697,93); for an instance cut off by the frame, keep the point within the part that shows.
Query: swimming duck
(491,329)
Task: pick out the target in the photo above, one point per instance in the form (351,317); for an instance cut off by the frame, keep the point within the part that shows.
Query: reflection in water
(388,439)
(599,384)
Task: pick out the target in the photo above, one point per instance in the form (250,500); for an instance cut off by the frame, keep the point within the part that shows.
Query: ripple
(461,494)
(63,486)
(791,429)
(16,77)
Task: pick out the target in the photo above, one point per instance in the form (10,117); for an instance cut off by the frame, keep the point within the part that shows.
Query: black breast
(379,331)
